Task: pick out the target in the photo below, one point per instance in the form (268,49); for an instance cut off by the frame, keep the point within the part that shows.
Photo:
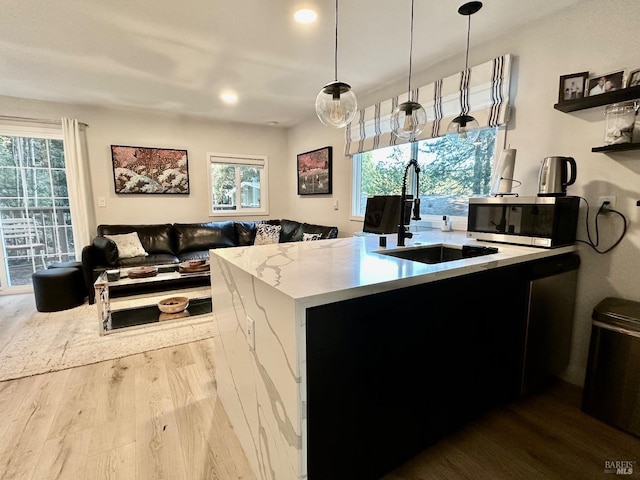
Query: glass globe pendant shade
(408,120)
(336,104)
(464,129)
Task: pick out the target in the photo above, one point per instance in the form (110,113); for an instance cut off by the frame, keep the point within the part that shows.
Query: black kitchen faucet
(402,230)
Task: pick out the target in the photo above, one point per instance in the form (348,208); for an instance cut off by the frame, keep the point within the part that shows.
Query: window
(35,221)
(450,173)
(238,185)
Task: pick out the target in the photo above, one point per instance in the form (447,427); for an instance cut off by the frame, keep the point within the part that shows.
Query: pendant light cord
(335,56)
(466,62)
(410,52)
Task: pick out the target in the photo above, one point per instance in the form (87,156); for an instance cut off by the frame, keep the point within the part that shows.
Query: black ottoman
(71,264)
(58,289)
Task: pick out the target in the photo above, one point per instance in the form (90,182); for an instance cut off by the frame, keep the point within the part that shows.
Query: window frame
(240,160)
(428,221)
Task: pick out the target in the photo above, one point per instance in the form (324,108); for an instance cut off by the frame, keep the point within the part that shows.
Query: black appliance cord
(590,242)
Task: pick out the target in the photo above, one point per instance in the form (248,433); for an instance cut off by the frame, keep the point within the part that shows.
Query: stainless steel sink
(439,253)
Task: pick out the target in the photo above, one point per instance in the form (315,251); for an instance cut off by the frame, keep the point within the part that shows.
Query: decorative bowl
(143,272)
(173,304)
(186,267)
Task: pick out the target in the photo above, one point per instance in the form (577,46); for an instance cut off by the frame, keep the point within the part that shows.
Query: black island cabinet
(390,374)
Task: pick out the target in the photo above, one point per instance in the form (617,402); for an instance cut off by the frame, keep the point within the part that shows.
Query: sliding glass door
(35,221)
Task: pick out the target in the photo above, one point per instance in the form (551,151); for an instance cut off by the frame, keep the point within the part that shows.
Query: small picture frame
(633,78)
(572,86)
(605,83)
(314,172)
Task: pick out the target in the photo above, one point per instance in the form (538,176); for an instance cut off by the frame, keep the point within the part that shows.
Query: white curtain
(76,159)
(482,90)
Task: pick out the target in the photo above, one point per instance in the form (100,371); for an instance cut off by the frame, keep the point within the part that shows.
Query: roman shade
(483,90)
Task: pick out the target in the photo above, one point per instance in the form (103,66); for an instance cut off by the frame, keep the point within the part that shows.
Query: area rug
(48,342)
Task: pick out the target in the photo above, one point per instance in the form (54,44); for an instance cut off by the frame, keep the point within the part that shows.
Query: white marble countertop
(324,271)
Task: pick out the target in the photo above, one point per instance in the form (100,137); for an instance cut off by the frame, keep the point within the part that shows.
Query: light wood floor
(148,416)
(156,416)
(14,310)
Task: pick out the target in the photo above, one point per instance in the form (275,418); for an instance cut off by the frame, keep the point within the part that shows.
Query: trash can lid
(618,312)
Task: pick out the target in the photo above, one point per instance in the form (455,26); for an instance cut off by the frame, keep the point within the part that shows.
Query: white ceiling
(177,56)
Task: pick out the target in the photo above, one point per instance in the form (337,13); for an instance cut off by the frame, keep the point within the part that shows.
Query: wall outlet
(251,333)
(608,198)
(102,202)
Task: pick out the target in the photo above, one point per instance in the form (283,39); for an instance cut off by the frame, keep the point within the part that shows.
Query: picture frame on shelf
(572,86)
(314,171)
(608,82)
(633,78)
(146,170)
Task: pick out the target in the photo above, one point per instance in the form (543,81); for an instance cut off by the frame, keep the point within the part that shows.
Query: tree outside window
(451,172)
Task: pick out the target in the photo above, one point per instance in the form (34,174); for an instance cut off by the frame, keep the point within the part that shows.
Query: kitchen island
(334,361)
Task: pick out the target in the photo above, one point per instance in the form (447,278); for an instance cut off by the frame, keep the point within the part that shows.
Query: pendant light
(409,118)
(336,103)
(464,128)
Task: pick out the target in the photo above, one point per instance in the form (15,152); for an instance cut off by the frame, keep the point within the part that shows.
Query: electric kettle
(554,176)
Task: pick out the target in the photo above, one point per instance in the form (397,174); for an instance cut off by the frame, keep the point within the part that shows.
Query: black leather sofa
(173,243)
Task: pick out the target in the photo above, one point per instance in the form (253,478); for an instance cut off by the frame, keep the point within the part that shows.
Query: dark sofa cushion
(246,232)
(154,238)
(291,231)
(152,259)
(326,232)
(192,237)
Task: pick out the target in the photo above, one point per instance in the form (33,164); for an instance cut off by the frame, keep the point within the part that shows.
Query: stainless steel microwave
(534,221)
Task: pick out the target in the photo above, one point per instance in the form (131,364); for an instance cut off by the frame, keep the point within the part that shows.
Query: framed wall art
(150,170)
(572,86)
(314,171)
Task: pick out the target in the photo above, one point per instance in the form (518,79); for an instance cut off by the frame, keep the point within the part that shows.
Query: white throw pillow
(267,234)
(310,237)
(128,244)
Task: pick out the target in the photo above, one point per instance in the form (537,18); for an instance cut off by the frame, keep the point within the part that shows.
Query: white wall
(309,136)
(597,36)
(150,129)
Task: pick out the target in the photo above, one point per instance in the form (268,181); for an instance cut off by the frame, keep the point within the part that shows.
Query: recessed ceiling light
(229,97)
(305,15)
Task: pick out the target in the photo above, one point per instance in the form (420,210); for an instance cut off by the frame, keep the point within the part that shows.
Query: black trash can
(612,385)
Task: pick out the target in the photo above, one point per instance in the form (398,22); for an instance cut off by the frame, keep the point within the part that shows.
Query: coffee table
(133,302)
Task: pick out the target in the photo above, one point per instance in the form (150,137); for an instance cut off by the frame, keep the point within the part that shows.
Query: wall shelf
(621,147)
(617,96)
